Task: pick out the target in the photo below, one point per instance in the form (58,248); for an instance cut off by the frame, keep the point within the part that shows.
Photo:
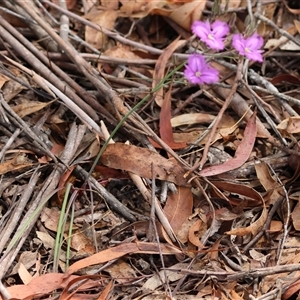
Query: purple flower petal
(254,41)
(197,71)
(249,47)
(213,35)
(238,43)
(197,62)
(255,55)
(219,29)
(215,44)
(210,76)
(201,29)
(190,75)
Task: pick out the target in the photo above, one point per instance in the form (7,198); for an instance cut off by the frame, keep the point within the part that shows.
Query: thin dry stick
(113,203)
(43,70)
(34,27)
(93,75)
(16,215)
(89,72)
(46,59)
(288,216)
(187,102)
(146,194)
(281,31)
(9,142)
(249,8)
(264,113)
(39,202)
(20,123)
(262,81)
(152,226)
(208,233)
(234,276)
(266,226)
(111,34)
(84,117)
(107,59)
(287,98)
(218,119)
(153,231)
(64,22)
(239,105)
(48,188)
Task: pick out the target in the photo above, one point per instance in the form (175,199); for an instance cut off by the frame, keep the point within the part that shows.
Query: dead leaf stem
(218,119)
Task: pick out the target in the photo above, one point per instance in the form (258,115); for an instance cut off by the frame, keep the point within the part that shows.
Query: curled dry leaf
(25,276)
(110,4)
(129,8)
(50,219)
(160,66)
(182,14)
(290,125)
(296,216)
(282,42)
(226,128)
(47,283)
(248,194)
(121,250)
(94,37)
(193,118)
(19,162)
(195,233)
(156,280)
(284,78)
(292,289)
(179,207)
(106,292)
(273,188)
(140,161)
(81,243)
(3,80)
(165,127)
(276,226)
(142,229)
(196,118)
(121,52)
(187,13)
(242,152)
(121,271)
(28,259)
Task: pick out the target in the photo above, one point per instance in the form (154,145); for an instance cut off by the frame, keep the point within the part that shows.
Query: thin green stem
(139,104)
(60,229)
(69,239)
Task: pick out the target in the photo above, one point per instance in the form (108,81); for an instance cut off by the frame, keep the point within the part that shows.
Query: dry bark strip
(39,201)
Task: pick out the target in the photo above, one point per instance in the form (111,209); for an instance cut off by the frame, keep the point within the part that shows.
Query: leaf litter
(194,196)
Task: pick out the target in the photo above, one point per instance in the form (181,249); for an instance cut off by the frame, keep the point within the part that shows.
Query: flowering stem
(218,119)
(128,113)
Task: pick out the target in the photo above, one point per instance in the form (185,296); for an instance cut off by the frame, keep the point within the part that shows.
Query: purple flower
(249,46)
(213,35)
(198,71)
